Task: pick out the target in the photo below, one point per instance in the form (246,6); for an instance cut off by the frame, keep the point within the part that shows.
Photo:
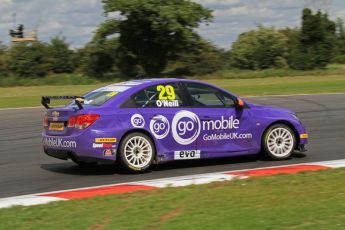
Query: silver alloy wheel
(280,142)
(138,152)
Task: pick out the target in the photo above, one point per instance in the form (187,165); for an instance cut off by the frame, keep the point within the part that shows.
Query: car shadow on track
(220,164)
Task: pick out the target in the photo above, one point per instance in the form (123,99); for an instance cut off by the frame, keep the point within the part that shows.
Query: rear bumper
(66,155)
(89,146)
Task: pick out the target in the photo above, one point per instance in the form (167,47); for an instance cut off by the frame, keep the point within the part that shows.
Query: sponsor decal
(59,143)
(227,136)
(109,152)
(160,126)
(138,121)
(103,145)
(304,136)
(221,124)
(187,155)
(186,127)
(106,140)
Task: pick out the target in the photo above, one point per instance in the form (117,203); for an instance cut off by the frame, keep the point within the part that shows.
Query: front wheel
(137,152)
(279,142)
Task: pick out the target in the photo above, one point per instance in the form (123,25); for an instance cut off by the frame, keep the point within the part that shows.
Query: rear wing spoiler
(45,101)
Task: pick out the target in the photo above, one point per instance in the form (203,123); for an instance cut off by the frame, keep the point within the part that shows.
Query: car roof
(133,86)
(146,82)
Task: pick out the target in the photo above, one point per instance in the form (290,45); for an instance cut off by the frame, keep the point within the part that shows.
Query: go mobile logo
(186,127)
(160,126)
(138,121)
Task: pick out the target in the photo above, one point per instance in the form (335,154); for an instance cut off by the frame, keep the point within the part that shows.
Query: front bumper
(301,148)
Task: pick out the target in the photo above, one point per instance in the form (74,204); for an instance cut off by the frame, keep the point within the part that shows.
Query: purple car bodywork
(178,131)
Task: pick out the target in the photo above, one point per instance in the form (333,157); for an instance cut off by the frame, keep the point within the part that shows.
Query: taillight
(71,122)
(45,121)
(82,121)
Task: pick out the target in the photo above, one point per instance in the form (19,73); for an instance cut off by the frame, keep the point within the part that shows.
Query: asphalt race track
(25,169)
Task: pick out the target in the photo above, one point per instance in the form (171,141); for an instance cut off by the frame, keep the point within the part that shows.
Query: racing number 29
(166,92)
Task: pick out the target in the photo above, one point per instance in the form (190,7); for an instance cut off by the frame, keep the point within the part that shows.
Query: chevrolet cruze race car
(141,122)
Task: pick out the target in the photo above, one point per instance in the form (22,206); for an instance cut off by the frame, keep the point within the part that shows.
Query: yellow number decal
(170,92)
(111,94)
(161,90)
(166,92)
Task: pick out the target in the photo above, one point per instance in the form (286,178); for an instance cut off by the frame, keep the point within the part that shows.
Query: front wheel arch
(284,122)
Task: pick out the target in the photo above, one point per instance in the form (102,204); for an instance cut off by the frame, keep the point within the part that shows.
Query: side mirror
(239,103)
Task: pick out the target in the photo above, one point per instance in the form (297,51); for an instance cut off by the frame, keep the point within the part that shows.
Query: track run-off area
(25,169)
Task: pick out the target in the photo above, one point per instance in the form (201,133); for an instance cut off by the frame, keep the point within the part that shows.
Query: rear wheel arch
(143,131)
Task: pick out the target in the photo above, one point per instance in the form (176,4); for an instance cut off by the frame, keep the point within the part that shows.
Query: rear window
(100,96)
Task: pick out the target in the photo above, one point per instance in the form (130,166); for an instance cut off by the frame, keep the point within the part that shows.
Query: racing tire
(278,142)
(137,152)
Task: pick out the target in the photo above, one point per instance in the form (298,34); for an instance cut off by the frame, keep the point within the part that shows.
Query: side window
(204,96)
(159,96)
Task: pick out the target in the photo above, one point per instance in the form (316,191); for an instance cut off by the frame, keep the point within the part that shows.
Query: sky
(78,19)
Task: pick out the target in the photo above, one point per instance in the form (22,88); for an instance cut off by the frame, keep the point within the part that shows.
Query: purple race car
(143,122)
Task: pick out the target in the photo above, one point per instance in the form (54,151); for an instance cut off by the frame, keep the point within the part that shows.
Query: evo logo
(187,155)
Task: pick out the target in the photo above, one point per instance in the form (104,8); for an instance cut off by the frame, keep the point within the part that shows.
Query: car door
(224,129)
(161,105)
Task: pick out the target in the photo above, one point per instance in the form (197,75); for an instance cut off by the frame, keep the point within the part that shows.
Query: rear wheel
(279,142)
(137,152)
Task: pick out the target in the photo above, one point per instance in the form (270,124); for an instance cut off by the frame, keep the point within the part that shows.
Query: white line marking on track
(195,180)
(332,164)
(27,201)
(43,198)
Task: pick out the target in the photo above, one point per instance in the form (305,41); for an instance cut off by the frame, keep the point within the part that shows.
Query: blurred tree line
(158,38)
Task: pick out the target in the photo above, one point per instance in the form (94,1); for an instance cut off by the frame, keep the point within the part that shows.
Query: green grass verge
(332,69)
(79,79)
(13,97)
(55,79)
(312,200)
